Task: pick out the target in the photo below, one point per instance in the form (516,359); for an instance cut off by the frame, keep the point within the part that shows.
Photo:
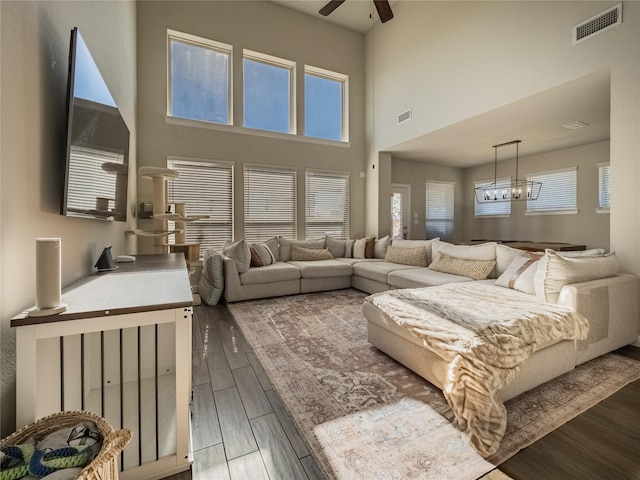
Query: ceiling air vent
(404,117)
(598,23)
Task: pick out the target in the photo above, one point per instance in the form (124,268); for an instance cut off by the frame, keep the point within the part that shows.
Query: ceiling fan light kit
(507,190)
(382,6)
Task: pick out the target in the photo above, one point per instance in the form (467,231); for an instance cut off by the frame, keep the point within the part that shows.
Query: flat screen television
(97,144)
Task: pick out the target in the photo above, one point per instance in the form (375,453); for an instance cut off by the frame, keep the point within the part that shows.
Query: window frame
(539,176)
(344,81)
(345,179)
(604,179)
(271,60)
(482,183)
(453,208)
(193,40)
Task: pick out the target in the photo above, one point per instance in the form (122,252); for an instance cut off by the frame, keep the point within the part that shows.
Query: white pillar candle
(48,276)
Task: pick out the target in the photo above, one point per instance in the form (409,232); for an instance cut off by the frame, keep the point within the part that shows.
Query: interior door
(400,211)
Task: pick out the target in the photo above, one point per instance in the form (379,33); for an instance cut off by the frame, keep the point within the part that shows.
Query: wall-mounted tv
(97,144)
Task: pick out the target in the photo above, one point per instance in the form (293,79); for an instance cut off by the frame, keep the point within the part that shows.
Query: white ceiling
(536,120)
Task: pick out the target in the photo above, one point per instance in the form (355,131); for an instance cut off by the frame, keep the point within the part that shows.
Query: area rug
(365,416)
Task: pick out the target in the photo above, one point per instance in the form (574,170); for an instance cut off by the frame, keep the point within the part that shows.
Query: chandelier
(507,190)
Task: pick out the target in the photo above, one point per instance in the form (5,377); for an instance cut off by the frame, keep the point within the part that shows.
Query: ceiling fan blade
(330,7)
(384,10)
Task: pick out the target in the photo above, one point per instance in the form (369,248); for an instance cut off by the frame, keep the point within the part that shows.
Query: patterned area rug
(365,416)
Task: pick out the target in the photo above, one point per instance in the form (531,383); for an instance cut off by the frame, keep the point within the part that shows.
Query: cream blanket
(485,333)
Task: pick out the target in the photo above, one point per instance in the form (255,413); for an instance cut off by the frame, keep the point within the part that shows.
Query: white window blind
(488,209)
(326,204)
(206,188)
(269,202)
(439,210)
(604,186)
(558,191)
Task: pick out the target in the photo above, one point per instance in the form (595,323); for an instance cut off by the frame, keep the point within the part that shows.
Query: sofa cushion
(398,242)
(353,261)
(520,274)
(378,271)
(322,268)
(474,269)
(337,246)
(276,272)
(504,257)
(380,247)
(416,256)
(555,271)
(348,250)
(422,277)
(286,243)
(261,255)
(363,247)
(482,251)
(238,252)
(309,254)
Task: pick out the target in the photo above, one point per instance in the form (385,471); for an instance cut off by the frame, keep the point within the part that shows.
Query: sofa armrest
(232,283)
(611,306)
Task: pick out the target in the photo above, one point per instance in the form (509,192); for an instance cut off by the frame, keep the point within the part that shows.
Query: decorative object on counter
(48,278)
(105,262)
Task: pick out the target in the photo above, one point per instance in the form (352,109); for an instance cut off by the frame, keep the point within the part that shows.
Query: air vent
(404,116)
(598,24)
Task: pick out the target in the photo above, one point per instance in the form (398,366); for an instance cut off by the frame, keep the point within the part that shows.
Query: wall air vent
(598,23)
(404,117)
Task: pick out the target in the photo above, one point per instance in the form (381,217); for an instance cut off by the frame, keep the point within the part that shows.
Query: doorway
(400,211)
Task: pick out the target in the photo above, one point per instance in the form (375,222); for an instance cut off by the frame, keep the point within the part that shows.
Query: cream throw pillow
(337,246)
(261,255)
(555,271)
(416,256)
(474,269)
(380,247)
(302,254)
(238,252)
(401,243)
(521,272)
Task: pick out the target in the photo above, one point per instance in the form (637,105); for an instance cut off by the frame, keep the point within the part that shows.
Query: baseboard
(637,342)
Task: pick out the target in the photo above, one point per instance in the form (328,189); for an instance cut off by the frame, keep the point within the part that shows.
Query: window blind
(439,210)
(558,191)
(604,185)
(269,202)
(488,209)
(326,204)
(206,189)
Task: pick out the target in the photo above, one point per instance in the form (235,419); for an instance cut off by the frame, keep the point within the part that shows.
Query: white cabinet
(122,350)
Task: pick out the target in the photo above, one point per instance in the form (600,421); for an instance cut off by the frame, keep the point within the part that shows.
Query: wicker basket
(105,465)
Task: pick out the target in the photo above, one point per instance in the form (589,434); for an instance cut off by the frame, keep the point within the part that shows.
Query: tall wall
(450,61)
(267,28)
(34,54)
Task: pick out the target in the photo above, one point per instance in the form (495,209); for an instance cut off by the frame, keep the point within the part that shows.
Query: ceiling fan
(382,6)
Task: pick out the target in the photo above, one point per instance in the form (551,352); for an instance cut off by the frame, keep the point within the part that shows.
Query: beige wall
(266,28)
(34,52)
(450,61)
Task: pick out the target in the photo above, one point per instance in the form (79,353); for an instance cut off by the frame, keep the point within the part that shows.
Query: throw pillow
(261,255)
(337,246)
(556,271)
(286,244)
(521,272)
(348,248)
(358,247)
(380,247)
(238,252)
(302,254)
(369,246)
(399,242)
(416,256)
(474,269)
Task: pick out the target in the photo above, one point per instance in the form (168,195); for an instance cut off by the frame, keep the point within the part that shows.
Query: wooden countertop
(152,282)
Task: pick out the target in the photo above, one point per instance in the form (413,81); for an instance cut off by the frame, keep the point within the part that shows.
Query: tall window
(439,210)
(199,78)
(269,202)
(268,93)
(558,191)
(491,208)
(206,188)
(325,104)
(326,204)
(604,186)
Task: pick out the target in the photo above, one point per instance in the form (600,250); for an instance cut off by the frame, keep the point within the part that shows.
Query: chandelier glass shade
(507,190)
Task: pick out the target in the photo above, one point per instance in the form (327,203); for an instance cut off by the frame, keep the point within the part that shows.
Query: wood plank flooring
(242,431)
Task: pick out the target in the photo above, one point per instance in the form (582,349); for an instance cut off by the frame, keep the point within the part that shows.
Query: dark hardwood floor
(241,430)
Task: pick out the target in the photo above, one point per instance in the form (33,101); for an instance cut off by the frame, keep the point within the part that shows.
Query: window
(268,93)
(491,208)
(326,204)
(269,202)
(439,210)
(604,186)
(558,191)
(325,104)
(206,188)
(199,78)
